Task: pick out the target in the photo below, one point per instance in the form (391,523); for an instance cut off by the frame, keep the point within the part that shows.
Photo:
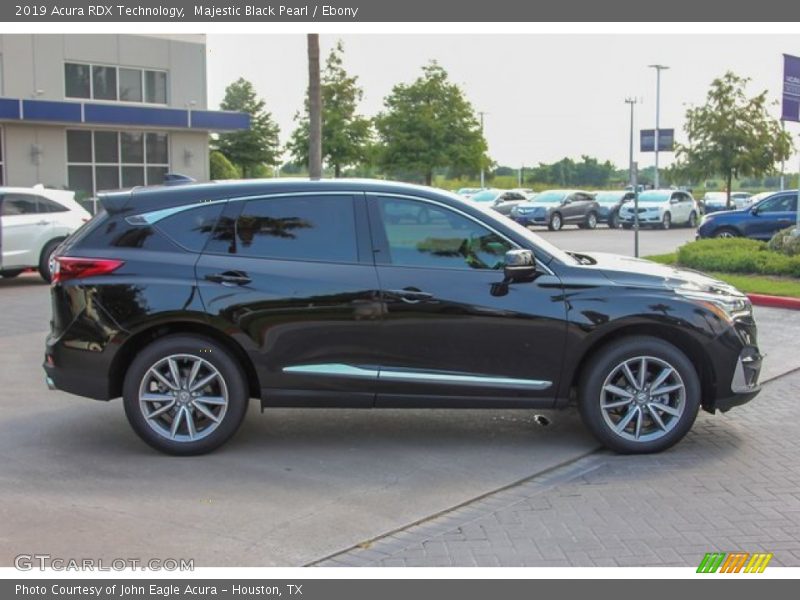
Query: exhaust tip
(541,420)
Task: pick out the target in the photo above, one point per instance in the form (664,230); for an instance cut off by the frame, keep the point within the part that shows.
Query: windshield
(549,198)
(654,196)
(485,196)
(609,197)
(715,198)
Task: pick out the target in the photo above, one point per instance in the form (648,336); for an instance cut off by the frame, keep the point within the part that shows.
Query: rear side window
(191,228)
(48,206)
(19,204)
(316,228)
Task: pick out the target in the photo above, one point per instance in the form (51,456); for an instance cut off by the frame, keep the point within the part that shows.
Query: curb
(774,301)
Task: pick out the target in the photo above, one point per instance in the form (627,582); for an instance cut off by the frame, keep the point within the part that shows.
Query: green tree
(429,124)
(221,167)
(731,135)
(345,134)
(257,145)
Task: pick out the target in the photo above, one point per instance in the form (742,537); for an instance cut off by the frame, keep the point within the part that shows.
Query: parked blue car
(760,221)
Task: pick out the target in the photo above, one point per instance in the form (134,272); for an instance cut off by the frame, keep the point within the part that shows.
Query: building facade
(94,112)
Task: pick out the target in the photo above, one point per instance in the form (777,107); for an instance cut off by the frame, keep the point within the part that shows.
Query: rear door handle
(43,222)
(229,278)
(410,295)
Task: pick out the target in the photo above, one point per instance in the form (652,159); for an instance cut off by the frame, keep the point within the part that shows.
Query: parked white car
(661,208)
(33,222)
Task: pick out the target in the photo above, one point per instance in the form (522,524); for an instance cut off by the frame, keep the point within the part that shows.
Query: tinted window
(48,206)
(424,235)
(779,204)
(19,204)
(104,82)
(76,79)
(191,228)
(320,228)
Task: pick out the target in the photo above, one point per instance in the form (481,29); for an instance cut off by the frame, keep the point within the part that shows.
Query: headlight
(723,305)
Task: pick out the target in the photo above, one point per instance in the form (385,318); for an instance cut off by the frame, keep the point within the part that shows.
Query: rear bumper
(76,371)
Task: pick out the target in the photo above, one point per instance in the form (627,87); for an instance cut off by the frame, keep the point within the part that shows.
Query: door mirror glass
(520,265)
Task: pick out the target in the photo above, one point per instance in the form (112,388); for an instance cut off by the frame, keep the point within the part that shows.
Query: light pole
(634,184)
(481,113)
(658,69)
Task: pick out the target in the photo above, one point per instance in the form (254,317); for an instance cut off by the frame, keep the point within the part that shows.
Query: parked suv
(33,222)
(556,208)
(663,209)
(759,222)
(189,300)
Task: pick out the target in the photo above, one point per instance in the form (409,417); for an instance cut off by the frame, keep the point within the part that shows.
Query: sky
(545,96)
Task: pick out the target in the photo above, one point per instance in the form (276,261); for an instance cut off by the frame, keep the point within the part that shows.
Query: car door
(25,230)
(453,332)
(772,215)
(293,279)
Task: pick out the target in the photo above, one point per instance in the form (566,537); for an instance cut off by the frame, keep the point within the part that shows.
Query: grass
(749,284)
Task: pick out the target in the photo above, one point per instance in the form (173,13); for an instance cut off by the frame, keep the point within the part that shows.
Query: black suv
(189,300)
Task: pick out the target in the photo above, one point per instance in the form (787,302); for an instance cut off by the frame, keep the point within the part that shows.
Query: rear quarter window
(191,228)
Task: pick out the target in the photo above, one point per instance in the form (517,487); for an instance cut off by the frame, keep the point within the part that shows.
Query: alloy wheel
(183,398)
(643,399)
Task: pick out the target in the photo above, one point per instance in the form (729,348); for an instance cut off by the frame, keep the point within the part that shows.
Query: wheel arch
(141,339)
(684,342)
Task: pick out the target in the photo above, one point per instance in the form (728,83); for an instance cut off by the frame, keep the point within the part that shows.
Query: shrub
(221,167)
(737,255)
(785,242)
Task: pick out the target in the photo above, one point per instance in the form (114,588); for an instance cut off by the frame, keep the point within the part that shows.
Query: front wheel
(555,222)
(45,260)
(639,395)
(185,395)
(726,232)
(666,221)
(11,273)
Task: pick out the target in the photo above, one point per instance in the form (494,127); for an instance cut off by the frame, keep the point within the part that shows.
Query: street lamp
(634,184)
(658,69)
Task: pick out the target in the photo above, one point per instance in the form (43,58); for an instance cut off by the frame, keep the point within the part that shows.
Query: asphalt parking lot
(299,487)
(617,241)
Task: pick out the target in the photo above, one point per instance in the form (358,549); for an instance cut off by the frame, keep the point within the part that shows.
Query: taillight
(67,268)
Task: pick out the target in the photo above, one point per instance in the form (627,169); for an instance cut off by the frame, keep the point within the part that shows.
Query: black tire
(196,347)
(613,220)
(725,232)
(666,221)
(44,259)
(591,220)
(556,222)
(11,273)
(627,226)
(603,364)
(692,222)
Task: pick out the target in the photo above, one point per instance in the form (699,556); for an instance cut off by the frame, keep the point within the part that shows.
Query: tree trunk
(314,109)
(728,192)
(337,170)
(429,178)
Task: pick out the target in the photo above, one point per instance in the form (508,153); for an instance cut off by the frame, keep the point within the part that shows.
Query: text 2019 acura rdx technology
(189,300)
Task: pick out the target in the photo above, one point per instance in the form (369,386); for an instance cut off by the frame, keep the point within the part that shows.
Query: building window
(124,84)
(107,160)
(2,161)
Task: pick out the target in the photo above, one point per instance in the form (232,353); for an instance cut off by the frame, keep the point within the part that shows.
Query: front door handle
(229,278)
(410,295)
(43,222)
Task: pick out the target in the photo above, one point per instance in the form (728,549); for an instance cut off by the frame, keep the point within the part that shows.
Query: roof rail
(177,179)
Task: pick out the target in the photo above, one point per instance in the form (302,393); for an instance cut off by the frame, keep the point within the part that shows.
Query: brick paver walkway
(732,484)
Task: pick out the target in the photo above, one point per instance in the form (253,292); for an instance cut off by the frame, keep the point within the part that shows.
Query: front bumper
(526,220)
(744,385)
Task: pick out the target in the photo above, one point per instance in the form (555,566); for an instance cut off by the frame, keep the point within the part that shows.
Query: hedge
(737,255)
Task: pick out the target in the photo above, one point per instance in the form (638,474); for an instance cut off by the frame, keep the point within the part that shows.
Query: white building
(95,112)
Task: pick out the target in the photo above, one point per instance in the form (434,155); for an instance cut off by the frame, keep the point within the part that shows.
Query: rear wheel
(45,259)
(692,222)
(613,220)
(726,232)
(627,225)
(639,395)
(185,395)
(10,274)
(555,222)
(591,220)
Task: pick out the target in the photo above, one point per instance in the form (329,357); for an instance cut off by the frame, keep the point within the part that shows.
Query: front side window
(785,203)
(420,234)
(315,228)
(107,160)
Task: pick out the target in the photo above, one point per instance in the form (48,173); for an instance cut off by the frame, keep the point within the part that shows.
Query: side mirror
(520,265)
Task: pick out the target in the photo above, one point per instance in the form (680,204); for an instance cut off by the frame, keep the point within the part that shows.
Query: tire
(666,221)
(725,232)
(11,273)
(44,259)
(605,369)
(692,222)
(556,222)
(591,220)
(627,226)
(613,221)
(227,380)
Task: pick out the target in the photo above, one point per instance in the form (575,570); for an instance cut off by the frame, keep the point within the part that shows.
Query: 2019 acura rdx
(188,300)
